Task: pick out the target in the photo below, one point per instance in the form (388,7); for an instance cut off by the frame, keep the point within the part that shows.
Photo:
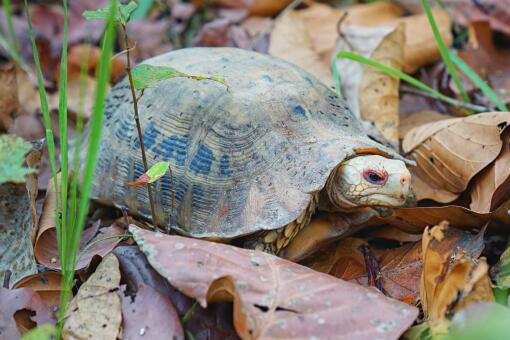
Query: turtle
(253,158)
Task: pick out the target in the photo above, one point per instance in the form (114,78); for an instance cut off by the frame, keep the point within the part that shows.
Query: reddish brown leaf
(149,314)
(16,300)
(142,180)
(272,297)
(46,285)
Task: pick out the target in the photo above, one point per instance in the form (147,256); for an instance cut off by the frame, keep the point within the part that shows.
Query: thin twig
(474,107)
(137,120)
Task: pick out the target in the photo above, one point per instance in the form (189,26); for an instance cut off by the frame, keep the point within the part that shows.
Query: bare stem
(137,120)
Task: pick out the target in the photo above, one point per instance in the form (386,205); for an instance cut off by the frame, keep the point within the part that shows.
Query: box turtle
(257,157)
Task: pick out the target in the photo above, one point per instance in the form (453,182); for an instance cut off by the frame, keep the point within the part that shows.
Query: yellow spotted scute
(245,157)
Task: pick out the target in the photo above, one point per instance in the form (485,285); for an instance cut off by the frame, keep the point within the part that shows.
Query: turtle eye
(375,176)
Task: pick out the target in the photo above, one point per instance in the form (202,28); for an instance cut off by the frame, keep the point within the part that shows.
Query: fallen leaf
(254,7)
(494,11)
(390,232)
(95,312)
(418,118)
(46,285)
(502,270)
(321,21)
(452,275)
(150,37)
(213,323)
(291,42)
(224,31)
(272,297)
(8,96)
(12,155)
(43,332)
(491,186)
(449,153)
(16,300)
(149,314)
(399,268)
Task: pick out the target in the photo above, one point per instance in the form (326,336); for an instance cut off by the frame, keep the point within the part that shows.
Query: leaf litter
(399,253)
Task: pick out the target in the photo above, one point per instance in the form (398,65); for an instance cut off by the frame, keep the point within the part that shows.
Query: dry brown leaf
(321,21)
(379,92)
(491,186)
(390,232)
(449,153)
(45,248)
(272,297)
(46,285)
(452,275)
(400,268)
(8,96)
(95,312)
(149,314)
(15,312)
(418,118)
(255,7)
(290,41)
(420,46)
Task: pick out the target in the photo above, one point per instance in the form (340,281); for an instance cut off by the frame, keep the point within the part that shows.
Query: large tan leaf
(254,7)
(491,186)
(449,153)
(273,298)
(290,41)
(95,312)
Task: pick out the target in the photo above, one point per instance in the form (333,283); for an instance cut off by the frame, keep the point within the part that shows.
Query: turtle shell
(244,158)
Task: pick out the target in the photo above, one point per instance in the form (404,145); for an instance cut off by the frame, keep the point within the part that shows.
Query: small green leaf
(42,332)
(157,171)
(12,155)
(145,76)
(502,270)
(122,16)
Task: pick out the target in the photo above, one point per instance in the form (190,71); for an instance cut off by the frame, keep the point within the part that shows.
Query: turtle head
(370,180)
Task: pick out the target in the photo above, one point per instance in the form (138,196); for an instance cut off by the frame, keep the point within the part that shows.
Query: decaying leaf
(453,276)
(502,270)
(418,118)
(95,312)
(290,41)
(272,297)
(254,7)
(12,156)
(149,314)
(449,153)
(46,285)
(17,300)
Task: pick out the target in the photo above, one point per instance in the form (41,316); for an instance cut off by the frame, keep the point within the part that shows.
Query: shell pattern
(244,157)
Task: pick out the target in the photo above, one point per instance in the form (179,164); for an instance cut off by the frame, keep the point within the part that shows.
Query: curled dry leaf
(449,153)
(290,41)
(272,297)
(45,249)
(254,7)
(14,302)
(149,314)
(46,285)
(418,118)
(452,275)
(492,185)
(95,312)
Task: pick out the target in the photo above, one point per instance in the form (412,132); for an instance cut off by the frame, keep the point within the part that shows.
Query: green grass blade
(96,124)
(479,82)
(336,76)
(142,10)
(62,124)
(444,51)
(47,122)
(397,74)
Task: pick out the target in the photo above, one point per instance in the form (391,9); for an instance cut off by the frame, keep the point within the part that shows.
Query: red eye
(375,176)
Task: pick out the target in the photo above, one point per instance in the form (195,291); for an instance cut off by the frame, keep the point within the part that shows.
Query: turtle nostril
(404,180)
